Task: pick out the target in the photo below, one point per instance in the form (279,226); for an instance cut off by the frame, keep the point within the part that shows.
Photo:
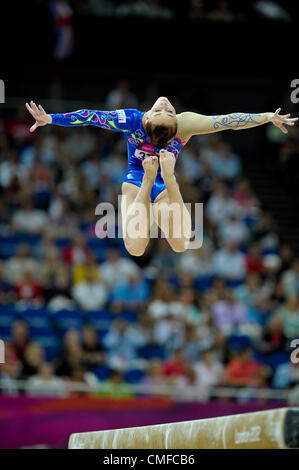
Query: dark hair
(160,134)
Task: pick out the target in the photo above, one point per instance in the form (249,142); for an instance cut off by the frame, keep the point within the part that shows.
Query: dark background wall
(211,67)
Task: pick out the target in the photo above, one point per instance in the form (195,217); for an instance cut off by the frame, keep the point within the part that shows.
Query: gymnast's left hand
(281,120)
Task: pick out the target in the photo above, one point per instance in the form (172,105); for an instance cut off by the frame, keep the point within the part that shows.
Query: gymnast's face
(162,112)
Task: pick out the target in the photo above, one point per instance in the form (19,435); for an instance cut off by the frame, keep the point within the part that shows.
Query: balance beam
(271,429)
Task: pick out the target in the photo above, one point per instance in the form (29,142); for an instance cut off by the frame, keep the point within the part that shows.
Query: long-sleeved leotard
(129,121)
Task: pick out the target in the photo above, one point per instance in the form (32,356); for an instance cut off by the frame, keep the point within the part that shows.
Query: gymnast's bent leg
(136,209)
(169,210)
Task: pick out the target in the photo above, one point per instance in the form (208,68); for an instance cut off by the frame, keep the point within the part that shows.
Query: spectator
(226,164)
(62,14)
(188,307)
(162,300)
(71,355)
(286,375)
(7,295)
(261,310)
(80,271)
(230,314)
(290,279)
(243,370)
(289,313)
(45,383)
(164,257)
(34,357)
(121,97)
(230,263)
(131,294)
(93,352)
(169,332)
(10,372)
(154,377)
(208,372)
(116,268)
(221,12)
(16,266)
(90,294)
(221,205)
(197,263)
(271,10)
(28,290)
(77,252)
(273,340)
(250,290)
(254,260)
(20,339)
(233,230)
(115,386)
(176,366)
(245,198)
(122,343)
(265,232)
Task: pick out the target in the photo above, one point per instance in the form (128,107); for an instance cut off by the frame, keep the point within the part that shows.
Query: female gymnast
(154,140)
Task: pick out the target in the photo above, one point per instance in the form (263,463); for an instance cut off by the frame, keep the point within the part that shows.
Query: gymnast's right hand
(39,114)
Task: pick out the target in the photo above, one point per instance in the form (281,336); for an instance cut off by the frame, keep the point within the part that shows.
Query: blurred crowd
(216,10)
(77,308)
(63,17)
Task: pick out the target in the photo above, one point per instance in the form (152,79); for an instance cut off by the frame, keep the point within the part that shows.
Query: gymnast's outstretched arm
(194,124)
(122,120)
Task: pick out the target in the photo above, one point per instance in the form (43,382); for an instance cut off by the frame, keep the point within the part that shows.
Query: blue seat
(273,360)
(8,309)
(100,319)
(5,332)
(67,319)
(102,333)
(102,372)
(152,352)
(129,316)
(203,283)
(41,331)
(133,376)
(7,319)
(50,344)
(36,318)
(238,342)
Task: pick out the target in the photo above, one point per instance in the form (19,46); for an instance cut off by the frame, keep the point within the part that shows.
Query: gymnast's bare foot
(150,166)
(167,163)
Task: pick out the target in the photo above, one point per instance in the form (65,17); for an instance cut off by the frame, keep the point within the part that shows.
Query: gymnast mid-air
(154,140)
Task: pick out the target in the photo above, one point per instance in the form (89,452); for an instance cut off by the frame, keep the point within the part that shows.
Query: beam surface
(271,429)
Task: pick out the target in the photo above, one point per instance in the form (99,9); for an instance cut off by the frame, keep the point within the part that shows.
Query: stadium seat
(49,342)
(67,319)
(203,283)
(238,342)
(100,319)
(102,372)
(7,318)
(36,318)
(152,352)
(128,315)
(133,376)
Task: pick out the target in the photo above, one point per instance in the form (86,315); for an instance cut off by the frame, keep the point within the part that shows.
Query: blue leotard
(128,121)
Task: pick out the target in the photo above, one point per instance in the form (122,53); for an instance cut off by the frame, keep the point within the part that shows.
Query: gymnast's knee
(135,248)
(179,245)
